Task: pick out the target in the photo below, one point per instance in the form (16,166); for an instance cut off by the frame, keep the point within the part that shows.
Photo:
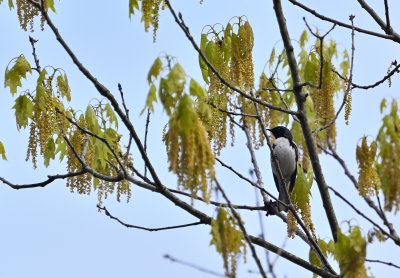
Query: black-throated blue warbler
(286,153)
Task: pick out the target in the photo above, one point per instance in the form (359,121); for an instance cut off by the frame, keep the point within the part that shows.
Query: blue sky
(49,232)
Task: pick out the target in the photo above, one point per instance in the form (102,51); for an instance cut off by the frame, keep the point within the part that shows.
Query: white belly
(286,156)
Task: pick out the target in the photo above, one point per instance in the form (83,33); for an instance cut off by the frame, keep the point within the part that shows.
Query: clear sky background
(49,232)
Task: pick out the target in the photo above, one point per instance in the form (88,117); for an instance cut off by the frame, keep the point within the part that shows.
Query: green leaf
(50,4)
(272,57)
(383,105)
(2,151)
(13,76)
(151,97)
(196,90)
(154,70)
(186,113)
(176,79)
(203,65)
(133,4)
(23,111)
(111,115)
(49,152)
(10,4)
(303,38)
(311,68)
(91,120)
(165,95)
(63,87)
(41,96)
(211,52)
(227,43)
(62,147)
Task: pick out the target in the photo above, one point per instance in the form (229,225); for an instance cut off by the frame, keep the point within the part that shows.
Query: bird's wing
(277,182)
(293,177)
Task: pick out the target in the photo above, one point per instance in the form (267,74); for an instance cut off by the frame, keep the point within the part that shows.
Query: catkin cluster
(368,179)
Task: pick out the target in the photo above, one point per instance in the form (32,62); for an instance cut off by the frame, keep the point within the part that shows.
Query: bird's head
(281,131)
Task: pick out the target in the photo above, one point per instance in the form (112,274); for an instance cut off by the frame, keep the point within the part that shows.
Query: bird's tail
(282,198)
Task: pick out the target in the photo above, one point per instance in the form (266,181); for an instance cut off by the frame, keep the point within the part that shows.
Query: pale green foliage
(150,12)
(300,196)
(368,180)
(349,251)
(2,151)
(43,110)
(228,240)
(388,166)
(23,111)
(13,76)
(188,147)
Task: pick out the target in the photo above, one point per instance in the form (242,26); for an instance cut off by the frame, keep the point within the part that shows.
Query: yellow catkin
(368,180)
(291,225)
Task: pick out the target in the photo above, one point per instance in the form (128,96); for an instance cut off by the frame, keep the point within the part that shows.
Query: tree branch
(243,229)
(302,115)
(50,179)
(144,228)
(325,18)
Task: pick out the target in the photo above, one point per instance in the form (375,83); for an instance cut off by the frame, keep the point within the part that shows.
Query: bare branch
(387,29)
(50,179)
(144,228)
(382,262)
(360,213)
(199,268)
(370,203)
(289,256)
(145,136)
(387,14)
(325,18)
(302,115)
(377,83)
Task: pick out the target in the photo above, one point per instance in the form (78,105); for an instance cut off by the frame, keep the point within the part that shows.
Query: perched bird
(286,154)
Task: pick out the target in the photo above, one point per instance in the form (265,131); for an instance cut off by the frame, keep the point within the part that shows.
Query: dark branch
(325,18)
(243,229)
(144,228)
(377,83)
(382,262)
(199,268)
(50,179)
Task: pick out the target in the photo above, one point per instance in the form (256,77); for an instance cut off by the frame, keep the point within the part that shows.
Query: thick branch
(302,115)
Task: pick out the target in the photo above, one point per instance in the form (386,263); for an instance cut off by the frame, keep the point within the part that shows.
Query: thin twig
(231,112)
(145,136)
(50,179)
(199,268)
(243,229)
(370,203)
(144,228)
(377,83)
(382,262)
(348,89)
(325,18)
(321,54)
(33,41)
(360,213)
